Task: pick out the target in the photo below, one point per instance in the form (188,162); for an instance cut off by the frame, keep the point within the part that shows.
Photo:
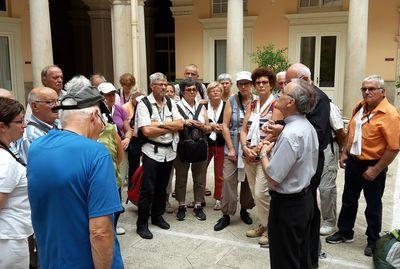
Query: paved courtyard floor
(194,244)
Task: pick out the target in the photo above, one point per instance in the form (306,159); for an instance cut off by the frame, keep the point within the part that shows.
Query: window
(319,3)
(219,57)
(221,6)
(5,68)
(165,54)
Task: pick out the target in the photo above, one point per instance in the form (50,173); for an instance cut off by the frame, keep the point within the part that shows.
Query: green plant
(398,83)
(268,56)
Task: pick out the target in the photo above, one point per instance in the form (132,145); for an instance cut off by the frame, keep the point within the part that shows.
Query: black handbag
(193,146)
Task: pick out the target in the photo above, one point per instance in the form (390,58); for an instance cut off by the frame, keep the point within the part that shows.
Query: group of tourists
(277,140)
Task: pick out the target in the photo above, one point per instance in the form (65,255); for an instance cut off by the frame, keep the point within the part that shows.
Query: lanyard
(2,145)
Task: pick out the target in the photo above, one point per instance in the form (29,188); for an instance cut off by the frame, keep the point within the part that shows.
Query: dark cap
(78,98)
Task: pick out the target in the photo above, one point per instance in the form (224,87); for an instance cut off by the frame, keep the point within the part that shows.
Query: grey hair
(85,113)
(78,81)
(32,97)
(44,71)
(304,95)
(376,78)
(156,77)
(224,76)
(281,74)
(97,75)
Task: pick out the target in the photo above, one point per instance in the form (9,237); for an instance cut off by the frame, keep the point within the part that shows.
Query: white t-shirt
(15,216)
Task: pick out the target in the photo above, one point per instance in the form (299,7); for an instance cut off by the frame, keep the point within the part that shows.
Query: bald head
(6,94)
(298,70)
(42,99)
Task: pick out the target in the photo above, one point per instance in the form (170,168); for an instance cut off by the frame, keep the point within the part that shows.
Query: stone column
(41,46)
(234,42)
(142,77)
(100,21)
(356,56)
(122,38)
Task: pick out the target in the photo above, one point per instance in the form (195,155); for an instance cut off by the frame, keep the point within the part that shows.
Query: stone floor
(194,244)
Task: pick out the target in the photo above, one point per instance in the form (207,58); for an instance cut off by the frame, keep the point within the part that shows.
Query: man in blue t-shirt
(72,189)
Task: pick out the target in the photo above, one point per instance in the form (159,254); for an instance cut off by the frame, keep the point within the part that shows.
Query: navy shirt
(70,180)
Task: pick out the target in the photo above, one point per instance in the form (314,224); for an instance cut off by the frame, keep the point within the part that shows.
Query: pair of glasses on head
(50,103)
(369,89)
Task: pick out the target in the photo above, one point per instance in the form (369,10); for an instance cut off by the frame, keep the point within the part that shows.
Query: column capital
(141,2)
(181,7)
(121,2)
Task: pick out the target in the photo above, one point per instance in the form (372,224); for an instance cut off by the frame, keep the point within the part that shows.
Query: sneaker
(217,205)
(207,192)
(222,223)
(255,232)
(263,241)
(369,250)
(337,238)
(327,230)
(199,213)
(193,203)
(120,230)
(245,216)
(181,213)
(168,208)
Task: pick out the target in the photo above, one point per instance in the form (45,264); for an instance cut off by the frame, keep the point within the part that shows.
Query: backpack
(141,137)
(192,145)
(387,251)
(134,186)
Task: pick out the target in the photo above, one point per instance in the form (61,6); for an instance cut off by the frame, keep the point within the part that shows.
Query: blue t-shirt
(70,180)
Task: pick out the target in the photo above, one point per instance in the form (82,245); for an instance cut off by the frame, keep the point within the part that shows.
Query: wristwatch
(161,124)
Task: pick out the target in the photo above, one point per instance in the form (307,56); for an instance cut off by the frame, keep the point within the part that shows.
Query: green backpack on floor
(387,251)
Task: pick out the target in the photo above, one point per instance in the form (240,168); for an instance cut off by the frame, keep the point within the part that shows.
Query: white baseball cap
(106,87)
(243,75)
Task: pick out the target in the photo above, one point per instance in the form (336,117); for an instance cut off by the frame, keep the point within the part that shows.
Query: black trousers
(289,224)
(315,243)
(153,189)
(354,183)
(134,153)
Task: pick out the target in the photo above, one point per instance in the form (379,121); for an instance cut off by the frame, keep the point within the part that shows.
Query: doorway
(324,52)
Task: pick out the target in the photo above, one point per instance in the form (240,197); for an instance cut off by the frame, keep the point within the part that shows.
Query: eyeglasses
(190,90)
(161,84)
(242,84)
(18,121)
(282,83)
(369,89)
(101,119)
(48,102)
(263,82)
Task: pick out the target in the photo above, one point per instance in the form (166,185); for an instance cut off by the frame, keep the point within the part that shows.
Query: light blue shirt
(294,158)
(32,133)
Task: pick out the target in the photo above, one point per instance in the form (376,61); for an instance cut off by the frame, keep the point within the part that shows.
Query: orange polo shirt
(380,133)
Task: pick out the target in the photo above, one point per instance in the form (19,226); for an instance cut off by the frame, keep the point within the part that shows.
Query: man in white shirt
(159,126)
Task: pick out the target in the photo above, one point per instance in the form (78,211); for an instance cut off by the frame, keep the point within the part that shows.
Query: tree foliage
(274,59)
